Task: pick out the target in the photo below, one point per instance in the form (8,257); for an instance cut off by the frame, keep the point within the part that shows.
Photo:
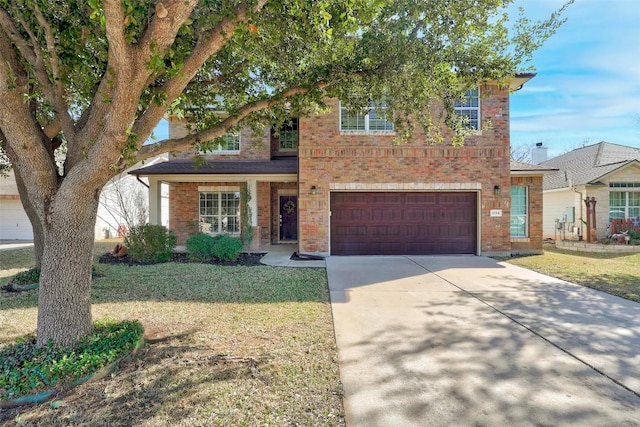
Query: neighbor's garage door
(14,223)
(403,223)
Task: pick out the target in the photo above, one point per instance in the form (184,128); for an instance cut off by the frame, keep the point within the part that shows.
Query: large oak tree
(95,77)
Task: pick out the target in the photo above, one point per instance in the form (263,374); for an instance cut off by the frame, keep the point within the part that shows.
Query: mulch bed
(245,259)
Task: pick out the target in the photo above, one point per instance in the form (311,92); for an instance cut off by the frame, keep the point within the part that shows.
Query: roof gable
(587,165)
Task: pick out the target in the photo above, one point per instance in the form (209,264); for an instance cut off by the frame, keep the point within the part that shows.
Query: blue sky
(587,88)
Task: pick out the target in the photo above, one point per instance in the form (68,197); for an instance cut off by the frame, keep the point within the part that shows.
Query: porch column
(155,206)
(252,186)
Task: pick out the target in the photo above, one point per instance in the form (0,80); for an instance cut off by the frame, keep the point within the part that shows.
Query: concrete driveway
(468,341)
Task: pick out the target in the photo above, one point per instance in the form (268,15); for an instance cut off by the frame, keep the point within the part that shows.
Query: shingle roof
(285,165)
(528,167)
(587,165)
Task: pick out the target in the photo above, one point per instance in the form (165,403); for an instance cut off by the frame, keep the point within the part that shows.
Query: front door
(288,218)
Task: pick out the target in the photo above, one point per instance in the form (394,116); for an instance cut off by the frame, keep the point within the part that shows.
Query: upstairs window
(373,120)
(289,135)
(469,107)
(226,144)
(519,211)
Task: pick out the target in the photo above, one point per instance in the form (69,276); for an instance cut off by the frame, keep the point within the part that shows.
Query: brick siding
(328,157)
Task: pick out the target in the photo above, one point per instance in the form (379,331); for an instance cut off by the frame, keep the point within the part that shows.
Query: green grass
(616,274)
(225,346)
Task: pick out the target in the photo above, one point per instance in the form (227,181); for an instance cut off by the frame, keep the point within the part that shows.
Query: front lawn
(616,274)
(224,346)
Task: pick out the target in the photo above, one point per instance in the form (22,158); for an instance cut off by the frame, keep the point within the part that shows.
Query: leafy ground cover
(224,346)
(27,370)
(616,274)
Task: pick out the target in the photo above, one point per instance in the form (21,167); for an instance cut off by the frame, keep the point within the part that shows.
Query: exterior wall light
(496,190)
(314,190)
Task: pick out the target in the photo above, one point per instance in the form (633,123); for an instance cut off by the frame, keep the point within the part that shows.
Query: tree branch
(209,43)
(14,35)
(119,53)
(34,55)
(179,144)
(51,48)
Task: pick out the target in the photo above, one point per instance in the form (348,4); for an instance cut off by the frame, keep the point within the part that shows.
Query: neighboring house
(14,222)
(123,201)
(608,172)
(337,184)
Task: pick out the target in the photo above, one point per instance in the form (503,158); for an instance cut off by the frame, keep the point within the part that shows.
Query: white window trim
(627,207)
(366,130)
(526,215)
(478,109)
(219,191)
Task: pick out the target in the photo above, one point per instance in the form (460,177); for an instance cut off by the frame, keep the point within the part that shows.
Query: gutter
(141,181)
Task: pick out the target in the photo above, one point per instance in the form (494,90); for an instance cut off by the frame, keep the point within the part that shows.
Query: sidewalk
(6,245)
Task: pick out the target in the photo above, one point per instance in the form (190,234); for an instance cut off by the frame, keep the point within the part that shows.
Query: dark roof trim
(222,167)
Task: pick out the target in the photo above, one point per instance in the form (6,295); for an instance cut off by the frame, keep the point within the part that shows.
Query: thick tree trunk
(64,300)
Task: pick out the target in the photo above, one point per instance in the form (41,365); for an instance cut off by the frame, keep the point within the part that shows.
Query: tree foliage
(95,77)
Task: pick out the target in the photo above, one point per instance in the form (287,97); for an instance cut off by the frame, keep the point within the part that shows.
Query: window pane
(219,212)
(349,121)
(518,226)
(289,135)
(230,142)
(617,199)
(469,107)
(378,119)
(519,211)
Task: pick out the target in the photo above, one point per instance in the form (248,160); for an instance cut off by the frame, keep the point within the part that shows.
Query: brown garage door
(403,223)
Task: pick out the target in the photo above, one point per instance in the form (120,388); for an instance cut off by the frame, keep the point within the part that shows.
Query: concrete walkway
(6,245)
(468,341)
(280,256)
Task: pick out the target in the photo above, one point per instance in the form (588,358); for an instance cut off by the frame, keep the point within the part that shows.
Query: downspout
(579,204)
(142,182)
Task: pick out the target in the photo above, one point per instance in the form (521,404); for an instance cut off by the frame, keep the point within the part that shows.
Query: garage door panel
(403,223)
(14,222)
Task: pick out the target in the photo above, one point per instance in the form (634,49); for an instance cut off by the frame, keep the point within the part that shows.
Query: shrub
(26,277)
(227,248)
(26,368)
(203,247)
(200,247)
(634,234)
(150,243)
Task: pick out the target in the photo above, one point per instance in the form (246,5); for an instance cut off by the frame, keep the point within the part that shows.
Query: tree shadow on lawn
(169,380)
(198,373)
(195,283)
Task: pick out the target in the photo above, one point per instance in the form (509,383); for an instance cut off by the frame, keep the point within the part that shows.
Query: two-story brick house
(337,184)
